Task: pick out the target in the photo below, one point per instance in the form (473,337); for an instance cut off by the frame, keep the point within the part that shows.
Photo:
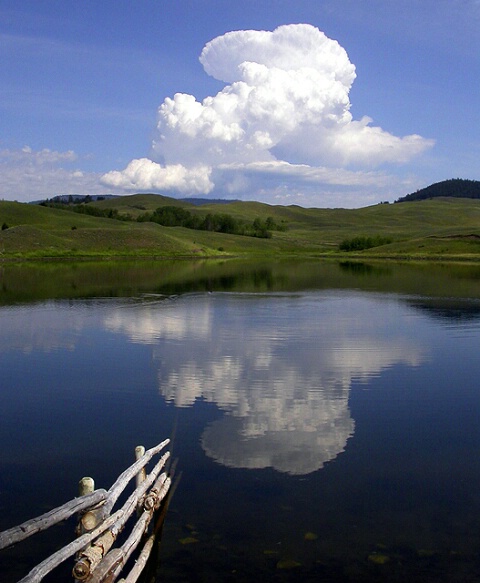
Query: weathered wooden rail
(96,559)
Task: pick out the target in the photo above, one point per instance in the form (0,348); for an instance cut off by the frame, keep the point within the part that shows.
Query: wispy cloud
(32,175)
(27,156)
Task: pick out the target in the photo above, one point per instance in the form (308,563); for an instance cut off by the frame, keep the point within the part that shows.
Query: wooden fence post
(88,520)
(142,474)
(97,528)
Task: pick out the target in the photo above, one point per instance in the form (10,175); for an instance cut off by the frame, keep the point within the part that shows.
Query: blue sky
(321,103)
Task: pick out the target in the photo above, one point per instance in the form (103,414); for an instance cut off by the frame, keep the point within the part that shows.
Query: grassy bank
(432,229)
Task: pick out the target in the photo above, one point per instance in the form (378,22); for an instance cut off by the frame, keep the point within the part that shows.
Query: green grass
(441,228)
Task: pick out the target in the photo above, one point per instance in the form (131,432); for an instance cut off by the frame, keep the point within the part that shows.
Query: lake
(325,416)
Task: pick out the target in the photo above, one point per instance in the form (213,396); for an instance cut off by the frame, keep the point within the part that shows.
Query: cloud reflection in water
(279,366)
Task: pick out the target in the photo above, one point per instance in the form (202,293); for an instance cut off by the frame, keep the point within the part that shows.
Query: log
(132,501)
(43,568)
(111,567)
(89,558)
(125,477)
(152,500)
(87,563)
(115,522)
(19,533)
(141,561)
(137,532)
(98,529)
(40,523)
(148,546)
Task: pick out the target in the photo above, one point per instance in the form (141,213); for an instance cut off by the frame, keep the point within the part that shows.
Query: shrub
(361,242)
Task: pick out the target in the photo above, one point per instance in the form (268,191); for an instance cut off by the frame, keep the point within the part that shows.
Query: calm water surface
(331,431)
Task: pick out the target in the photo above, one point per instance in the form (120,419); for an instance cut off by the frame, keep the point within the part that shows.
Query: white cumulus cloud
(286,100)
(143,174)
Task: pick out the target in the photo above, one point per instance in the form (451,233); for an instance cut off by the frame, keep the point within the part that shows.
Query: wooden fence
(96,559)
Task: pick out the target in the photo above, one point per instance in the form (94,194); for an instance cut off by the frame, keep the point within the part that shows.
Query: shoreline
(253,257)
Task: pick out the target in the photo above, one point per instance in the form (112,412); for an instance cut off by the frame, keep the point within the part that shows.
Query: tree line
(455,187)
(175,216)
(83,208)
(363,242)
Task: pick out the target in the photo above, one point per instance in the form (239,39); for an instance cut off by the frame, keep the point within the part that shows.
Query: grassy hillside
(35,231)
(445,228)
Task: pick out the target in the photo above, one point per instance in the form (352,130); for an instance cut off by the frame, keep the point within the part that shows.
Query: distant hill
(456,188)
(76,198)
(79,198)
(201,201)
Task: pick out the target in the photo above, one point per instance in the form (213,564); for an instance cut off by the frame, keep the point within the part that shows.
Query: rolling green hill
(439,228)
